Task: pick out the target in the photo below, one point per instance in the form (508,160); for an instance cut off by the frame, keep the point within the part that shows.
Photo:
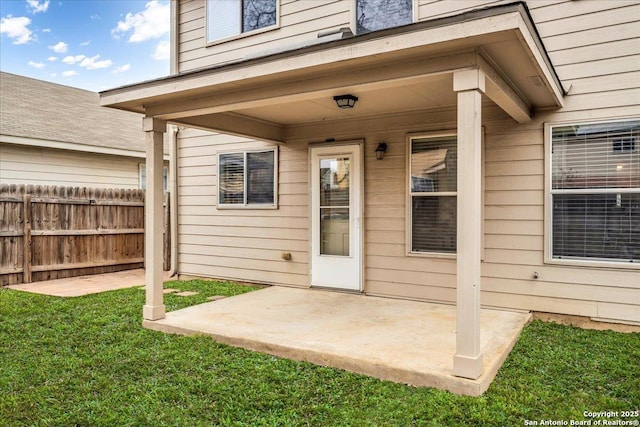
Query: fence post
(26,271)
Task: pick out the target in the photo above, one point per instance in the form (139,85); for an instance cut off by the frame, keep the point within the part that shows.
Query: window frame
(548,201)
(354,16)
(246,205)
(142,171)
(240,35)
(409,197)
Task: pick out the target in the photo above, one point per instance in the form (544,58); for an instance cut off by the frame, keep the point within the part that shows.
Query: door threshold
(340,290)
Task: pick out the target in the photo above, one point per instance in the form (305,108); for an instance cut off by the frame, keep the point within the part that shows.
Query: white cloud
(73,59)
(16,28)
(46,30)
(69,73)
(121,69)
(60,47)
(93,63)
(35,6)
(52,58)
(35,64)
(95,17)
(85,43)
(162,51)
(152,23)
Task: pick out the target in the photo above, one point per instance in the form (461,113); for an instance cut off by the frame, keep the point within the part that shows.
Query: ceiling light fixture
(345,101)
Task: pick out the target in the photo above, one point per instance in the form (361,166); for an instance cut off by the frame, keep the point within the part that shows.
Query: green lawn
(87,361)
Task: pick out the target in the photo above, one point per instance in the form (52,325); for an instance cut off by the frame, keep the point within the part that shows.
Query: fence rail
(49,232)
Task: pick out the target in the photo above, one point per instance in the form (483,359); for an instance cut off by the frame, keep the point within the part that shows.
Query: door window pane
(334,206)
(334,231)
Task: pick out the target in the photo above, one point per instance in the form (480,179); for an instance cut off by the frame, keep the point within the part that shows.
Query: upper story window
(231,18)
(247,179)
(595,192)
(372,15)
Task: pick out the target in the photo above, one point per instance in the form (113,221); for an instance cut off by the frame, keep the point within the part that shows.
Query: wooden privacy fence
(49,232)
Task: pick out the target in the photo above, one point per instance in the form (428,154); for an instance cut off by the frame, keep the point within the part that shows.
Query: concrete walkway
(403,341)
(86,285)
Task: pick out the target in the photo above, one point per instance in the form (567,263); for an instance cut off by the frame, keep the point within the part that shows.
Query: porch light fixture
(380,150)
(345,101)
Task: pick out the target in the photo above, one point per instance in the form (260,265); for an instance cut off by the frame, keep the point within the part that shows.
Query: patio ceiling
(402,69)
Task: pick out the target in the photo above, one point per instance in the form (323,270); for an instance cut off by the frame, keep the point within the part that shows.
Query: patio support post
(468,360)
(154,308)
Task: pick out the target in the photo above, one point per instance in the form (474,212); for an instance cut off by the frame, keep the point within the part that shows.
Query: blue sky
(90,44)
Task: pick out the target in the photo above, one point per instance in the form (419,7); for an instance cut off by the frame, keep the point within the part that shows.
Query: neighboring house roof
(35,112)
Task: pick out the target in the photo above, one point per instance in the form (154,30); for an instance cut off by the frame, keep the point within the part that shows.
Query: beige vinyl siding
(242,244)
(44,166)
(593,46)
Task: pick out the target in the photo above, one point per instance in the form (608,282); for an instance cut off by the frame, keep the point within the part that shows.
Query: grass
(86,361)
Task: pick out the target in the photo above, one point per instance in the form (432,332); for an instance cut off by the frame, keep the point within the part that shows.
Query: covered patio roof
(406,68)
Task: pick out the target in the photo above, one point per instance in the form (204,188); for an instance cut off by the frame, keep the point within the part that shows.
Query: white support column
(468,360)
(154,308)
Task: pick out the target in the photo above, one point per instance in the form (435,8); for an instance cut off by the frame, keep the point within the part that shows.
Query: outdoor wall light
(380,150)
(345,101)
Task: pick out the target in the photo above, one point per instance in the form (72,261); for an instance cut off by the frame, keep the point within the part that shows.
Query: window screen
(433,191)
(595,191)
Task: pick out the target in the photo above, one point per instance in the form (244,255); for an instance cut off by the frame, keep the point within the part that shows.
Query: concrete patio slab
(86,285)
(403,341)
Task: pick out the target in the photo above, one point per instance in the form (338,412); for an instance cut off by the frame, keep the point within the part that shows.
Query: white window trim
(242,35)
(248,206)
(548,204)
(354,15)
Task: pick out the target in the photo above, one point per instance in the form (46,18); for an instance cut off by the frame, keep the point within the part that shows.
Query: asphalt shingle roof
(42,110)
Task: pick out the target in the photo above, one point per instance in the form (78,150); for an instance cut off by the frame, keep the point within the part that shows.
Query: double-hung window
(247,179)
(372,15)
(230,18)
(433,168)
(595,192)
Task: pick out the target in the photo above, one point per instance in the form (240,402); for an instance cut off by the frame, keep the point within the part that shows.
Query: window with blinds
(595,191)
(247,178)
(433,192)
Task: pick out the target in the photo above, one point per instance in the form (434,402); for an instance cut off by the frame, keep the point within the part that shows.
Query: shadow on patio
(403,341)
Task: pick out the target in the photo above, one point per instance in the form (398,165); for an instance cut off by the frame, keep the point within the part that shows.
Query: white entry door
(336,216)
